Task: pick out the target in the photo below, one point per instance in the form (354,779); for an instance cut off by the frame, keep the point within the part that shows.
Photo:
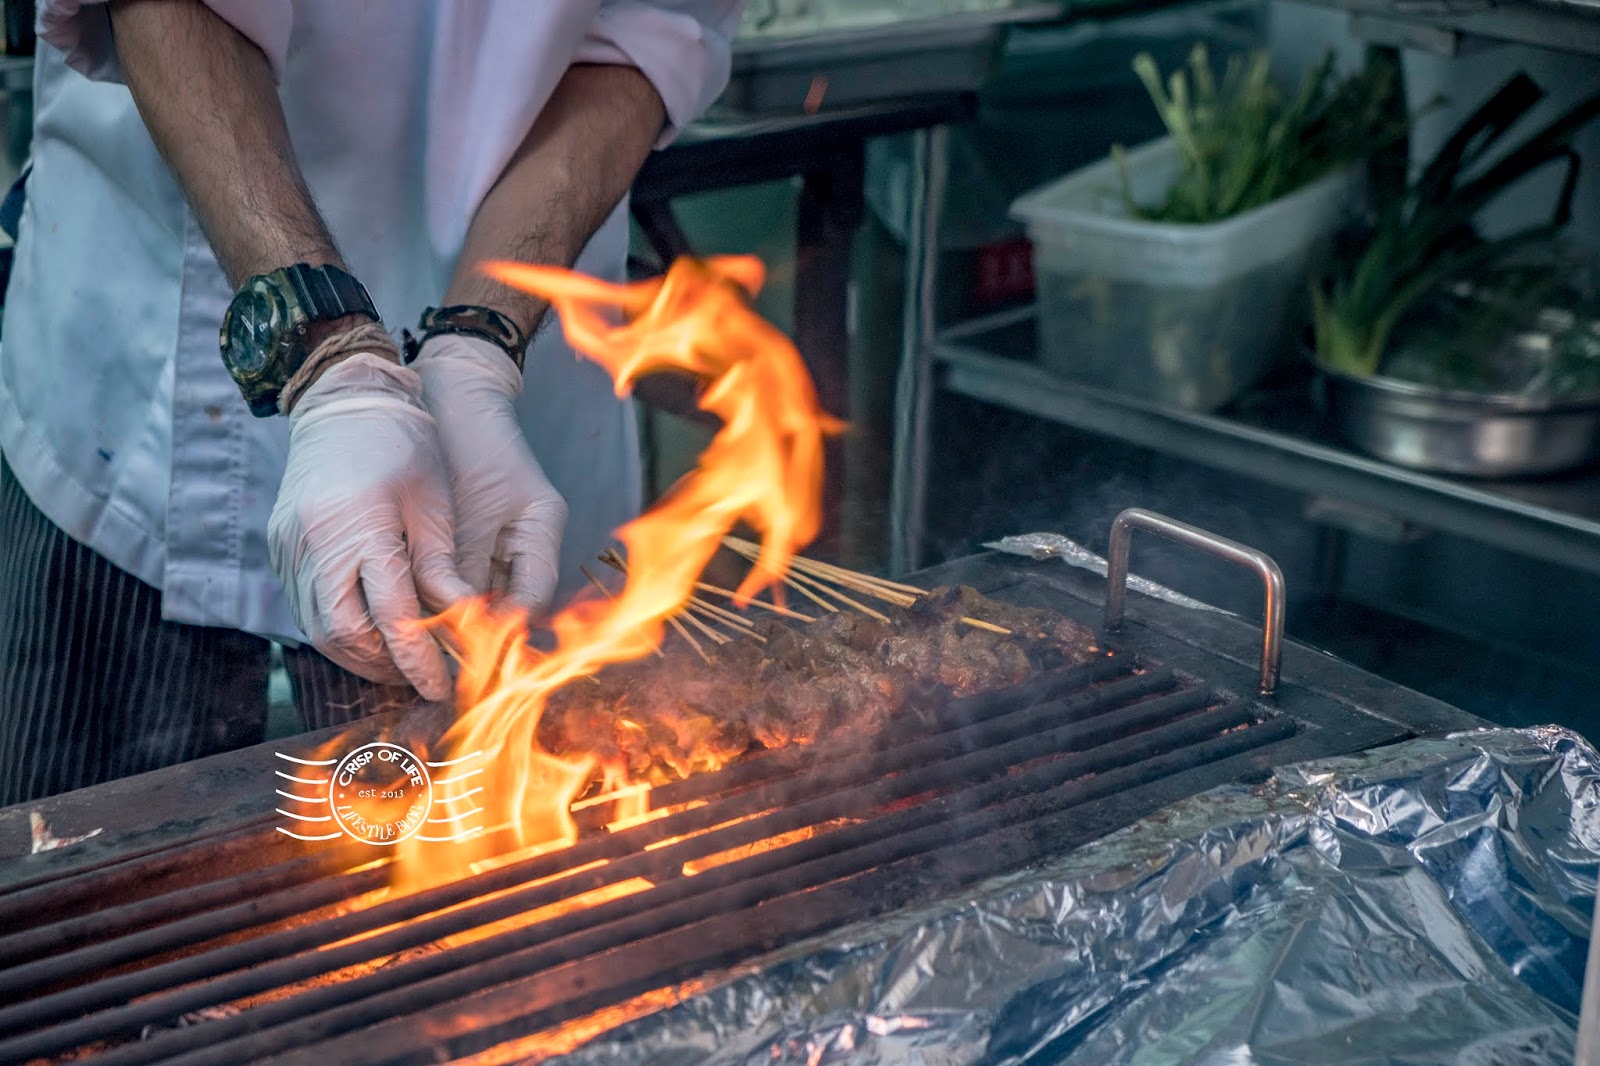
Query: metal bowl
(1468,433)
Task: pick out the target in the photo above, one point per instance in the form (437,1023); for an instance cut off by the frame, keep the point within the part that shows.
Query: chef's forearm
(207,95)
(569,173)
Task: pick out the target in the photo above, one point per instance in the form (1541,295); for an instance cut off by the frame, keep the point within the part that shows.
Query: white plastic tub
(1189,315)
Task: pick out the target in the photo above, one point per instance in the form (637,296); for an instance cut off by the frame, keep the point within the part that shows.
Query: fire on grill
(787,762)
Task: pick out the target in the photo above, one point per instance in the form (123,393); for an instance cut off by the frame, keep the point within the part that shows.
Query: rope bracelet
(367,337)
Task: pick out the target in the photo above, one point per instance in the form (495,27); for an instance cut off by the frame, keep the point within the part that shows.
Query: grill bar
(918,778)
(71,933)
(51,894)
(934,849)
(97,958)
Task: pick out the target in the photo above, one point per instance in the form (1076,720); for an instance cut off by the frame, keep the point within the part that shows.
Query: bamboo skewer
(825,587)
(749,548)
(788,579)
(859,582)
(611,557)
(446,645)
(775,608)
(811,578)
(743,626)
(683,632)
(608,594)
(888,591)
(709,633)
(903,600)
(720,613)
(855,577)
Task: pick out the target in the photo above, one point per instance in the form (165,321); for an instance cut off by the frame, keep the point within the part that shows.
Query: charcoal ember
(674,715)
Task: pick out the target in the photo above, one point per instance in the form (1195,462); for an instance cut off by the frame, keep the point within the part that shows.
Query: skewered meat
(675,715)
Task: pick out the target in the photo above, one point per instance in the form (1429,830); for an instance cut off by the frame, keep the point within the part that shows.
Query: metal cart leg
(830,210)
(659,224)
(908,491)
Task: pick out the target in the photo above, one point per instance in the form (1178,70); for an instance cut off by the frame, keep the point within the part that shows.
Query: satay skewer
(741,625)
(825,587)
(596,582)
(683,632)
(617,561)
(788,579)
(710,634)
(613,559)
(749,548)
(775,608)
(880,588)
(906,600)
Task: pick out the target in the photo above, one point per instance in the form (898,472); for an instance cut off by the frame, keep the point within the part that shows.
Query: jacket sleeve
(81,31)
(684,47)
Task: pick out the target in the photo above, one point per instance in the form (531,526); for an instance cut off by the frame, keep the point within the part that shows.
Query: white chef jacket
(115,411)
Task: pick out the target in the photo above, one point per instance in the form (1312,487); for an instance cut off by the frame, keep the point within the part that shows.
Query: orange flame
(763,467)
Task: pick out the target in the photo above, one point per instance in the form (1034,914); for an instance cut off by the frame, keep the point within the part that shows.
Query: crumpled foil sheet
(46,840)
(1039,546)
(1422,903)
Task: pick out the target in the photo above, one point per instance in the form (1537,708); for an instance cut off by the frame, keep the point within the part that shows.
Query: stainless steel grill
(223,941)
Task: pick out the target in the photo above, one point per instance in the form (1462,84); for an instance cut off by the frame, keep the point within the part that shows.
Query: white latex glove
(509,518)
(362,525)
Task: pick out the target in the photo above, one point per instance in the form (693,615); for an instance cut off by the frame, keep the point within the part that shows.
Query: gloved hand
(362,525)
(509,518)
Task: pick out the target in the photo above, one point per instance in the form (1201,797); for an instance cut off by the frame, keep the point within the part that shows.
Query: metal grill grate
(831,834)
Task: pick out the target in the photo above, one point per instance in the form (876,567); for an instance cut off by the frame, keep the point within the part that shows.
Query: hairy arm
(571,170)
(362,528)
(206,94)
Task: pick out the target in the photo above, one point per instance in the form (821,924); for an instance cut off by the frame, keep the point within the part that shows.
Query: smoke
(1007,473)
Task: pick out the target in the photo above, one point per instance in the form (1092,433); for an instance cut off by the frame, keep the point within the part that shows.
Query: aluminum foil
(1055,546)
(43,839)
(1423,903)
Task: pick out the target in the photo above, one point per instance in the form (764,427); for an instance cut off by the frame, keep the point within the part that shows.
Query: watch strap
(471,321)
(327,292)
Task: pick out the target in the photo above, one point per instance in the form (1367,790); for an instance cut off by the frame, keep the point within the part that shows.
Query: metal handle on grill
(1232,551)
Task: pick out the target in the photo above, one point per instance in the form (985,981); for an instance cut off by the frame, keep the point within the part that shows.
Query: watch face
(254,325)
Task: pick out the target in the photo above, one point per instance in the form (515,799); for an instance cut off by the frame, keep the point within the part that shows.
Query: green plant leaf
(1241,144)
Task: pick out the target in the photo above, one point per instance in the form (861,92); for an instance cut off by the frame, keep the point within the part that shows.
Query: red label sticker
(1005,272)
